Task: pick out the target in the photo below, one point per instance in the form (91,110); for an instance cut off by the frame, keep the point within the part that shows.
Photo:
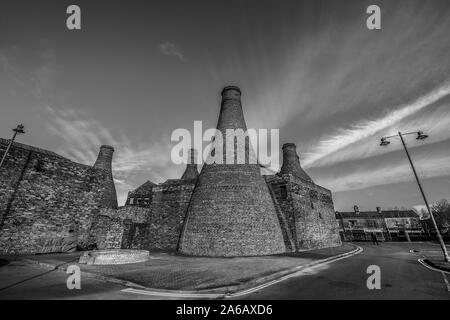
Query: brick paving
(177,272)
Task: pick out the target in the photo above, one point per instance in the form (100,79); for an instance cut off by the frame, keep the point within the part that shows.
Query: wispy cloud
(171,50)
(81,137)
(382,173)
(38,77)
(353,138)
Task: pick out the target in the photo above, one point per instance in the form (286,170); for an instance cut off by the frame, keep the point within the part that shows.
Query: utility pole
(420,136)
(17,130)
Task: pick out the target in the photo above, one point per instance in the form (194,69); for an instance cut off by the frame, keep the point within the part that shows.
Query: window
(131,201)
(280,191)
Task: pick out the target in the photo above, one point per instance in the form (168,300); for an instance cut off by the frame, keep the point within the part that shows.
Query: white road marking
(437,270)
(446,281)
(175,294)
(298,273)
(430,267)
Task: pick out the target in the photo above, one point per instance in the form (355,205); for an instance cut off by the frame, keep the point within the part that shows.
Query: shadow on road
(33,277)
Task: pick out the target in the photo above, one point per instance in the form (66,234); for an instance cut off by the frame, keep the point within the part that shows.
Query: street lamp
(420,136)
(17,130)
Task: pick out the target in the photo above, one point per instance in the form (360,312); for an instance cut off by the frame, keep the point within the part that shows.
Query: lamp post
(420,136)
(17,130)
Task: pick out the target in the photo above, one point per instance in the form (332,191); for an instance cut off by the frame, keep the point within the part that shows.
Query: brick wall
(231,214)
(168,210)
(309,211)
(46,198)
(106,232)
(124,227)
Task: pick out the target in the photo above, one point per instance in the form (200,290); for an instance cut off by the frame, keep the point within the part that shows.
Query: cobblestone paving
(173,271)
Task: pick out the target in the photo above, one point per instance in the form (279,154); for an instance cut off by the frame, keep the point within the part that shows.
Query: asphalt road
(402,277)
(22,281)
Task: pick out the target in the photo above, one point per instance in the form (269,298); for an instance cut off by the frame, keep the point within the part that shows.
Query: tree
(424,214)
(441,212)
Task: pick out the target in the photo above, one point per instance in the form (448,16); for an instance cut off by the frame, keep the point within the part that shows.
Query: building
(387,225)
(141,196)
(307,208)
(50,204)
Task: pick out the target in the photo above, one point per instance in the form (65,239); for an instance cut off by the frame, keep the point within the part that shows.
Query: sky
(138,70)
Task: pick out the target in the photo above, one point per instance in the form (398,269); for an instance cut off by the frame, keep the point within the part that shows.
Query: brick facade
(46,200)
(308,210)
(51,204)
(231,212)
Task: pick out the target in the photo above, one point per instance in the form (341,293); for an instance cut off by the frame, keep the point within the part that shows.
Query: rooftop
(375,214)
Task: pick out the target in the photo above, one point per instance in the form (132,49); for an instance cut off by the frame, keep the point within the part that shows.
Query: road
(402,277)
(22,281)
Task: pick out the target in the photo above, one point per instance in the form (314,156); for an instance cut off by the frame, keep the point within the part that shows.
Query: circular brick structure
(115,256)
(231,211)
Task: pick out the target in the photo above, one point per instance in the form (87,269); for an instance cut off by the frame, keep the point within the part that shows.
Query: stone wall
(106,233)
(46,199)
(155,228)
(309,211)
(124,227)
(168,211)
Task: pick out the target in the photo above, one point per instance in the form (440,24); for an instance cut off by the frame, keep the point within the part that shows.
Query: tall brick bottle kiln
(231,212)
(104,162)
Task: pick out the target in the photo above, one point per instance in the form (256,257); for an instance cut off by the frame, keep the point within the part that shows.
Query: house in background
(141,196)
(390,225)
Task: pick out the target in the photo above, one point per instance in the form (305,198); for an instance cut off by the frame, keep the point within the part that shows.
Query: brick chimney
(191,171)
(231,115)
(104,158)
(378,209)
(104,162)
(231,211)
(291,163)
(356,209)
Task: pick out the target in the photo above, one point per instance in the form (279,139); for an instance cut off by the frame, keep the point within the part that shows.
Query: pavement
(402,277)
(434,258)
(164,271)
(171,271)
